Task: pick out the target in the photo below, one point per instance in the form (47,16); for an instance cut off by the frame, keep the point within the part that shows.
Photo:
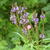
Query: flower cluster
(24,18)
(19,11)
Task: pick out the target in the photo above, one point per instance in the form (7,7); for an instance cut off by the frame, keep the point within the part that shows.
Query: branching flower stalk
(36,29)
(35,19)
(42,35)
(42,16)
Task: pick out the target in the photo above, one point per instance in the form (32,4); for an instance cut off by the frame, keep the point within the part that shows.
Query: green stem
(37,37)
(43,28)
(36,29)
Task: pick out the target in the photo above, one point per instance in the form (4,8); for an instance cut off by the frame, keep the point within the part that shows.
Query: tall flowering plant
(20,17)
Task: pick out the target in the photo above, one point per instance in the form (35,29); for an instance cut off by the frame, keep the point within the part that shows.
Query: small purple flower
(35,20)
(24,21)
(27,21)
(42,36)
(13,9)
(42,16)
(17,8)
(12,16)
(13,19)
(19,12)
(23,8)
(26,14)
(21,22)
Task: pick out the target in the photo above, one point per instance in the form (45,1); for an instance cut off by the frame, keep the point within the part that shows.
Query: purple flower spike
(42,36)
(42,16)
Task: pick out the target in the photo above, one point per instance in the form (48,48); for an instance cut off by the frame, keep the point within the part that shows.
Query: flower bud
(42,36)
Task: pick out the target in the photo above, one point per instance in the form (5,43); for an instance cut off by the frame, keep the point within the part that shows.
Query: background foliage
(10,35)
